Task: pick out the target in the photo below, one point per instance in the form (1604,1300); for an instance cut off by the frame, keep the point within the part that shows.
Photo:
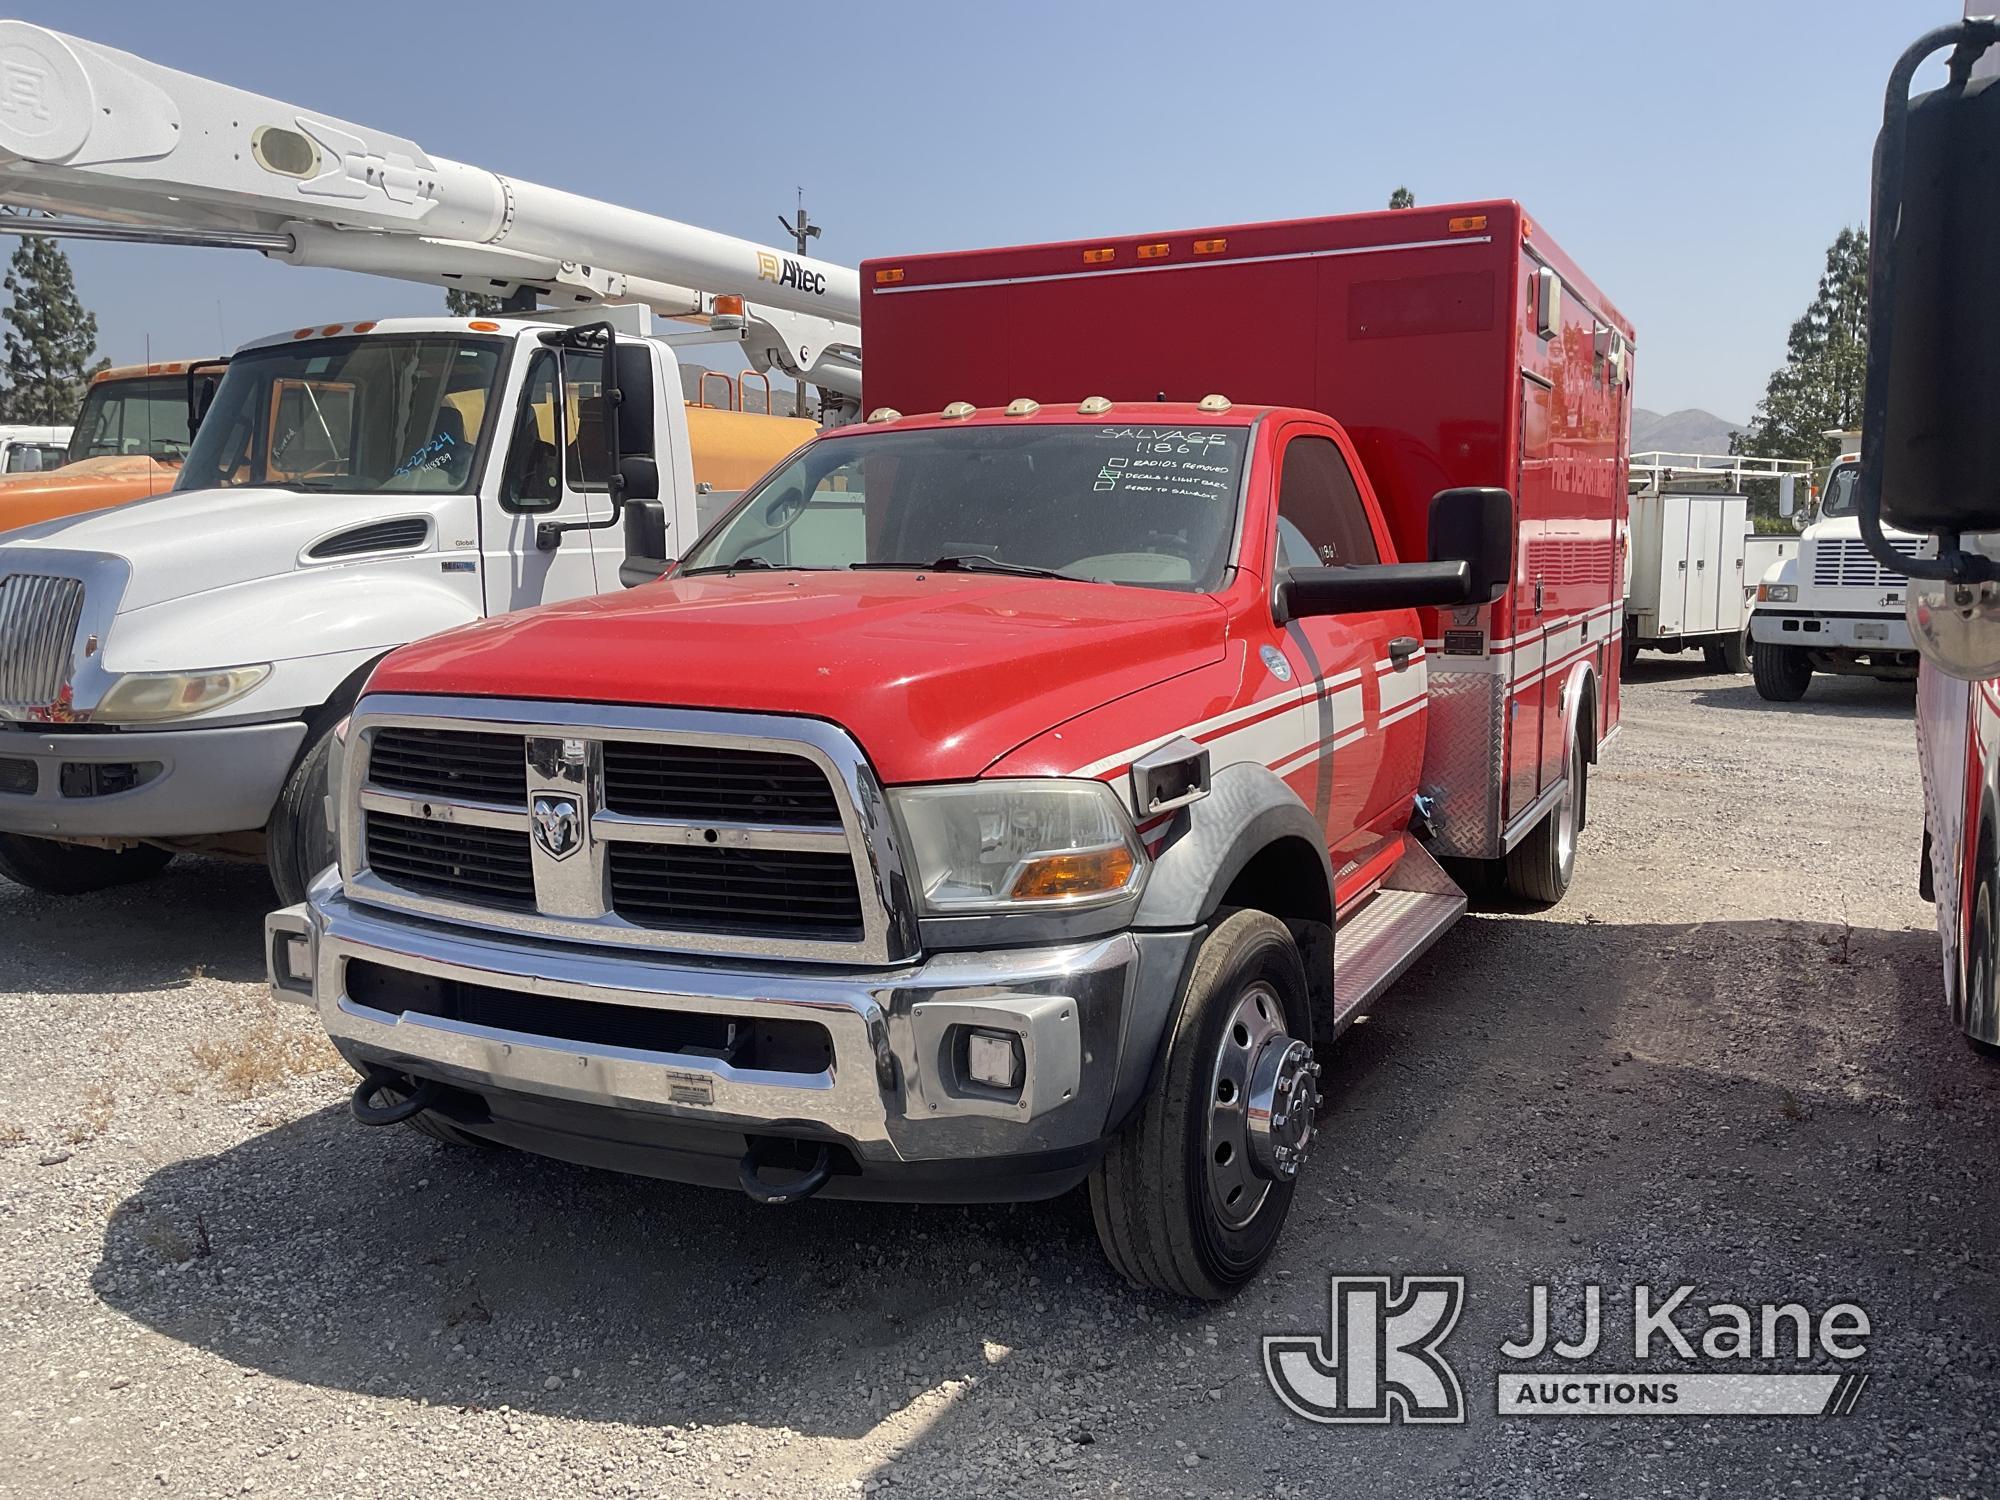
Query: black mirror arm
(593,336)
(1971,38)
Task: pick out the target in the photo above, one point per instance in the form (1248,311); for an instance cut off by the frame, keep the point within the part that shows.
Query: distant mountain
(1689,431)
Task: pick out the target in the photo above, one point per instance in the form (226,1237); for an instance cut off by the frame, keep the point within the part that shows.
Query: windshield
(354,415)
(1150,506)
(148,418)
(1839,498)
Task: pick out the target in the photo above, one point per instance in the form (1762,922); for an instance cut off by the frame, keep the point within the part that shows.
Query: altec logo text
(1382,1359)
(785,271)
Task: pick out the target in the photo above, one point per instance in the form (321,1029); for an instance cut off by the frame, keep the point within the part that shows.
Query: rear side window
(1321,521)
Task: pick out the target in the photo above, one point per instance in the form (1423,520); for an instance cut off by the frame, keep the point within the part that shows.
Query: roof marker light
(1214,404)
(885,414)
(483,325)
(302,333)
(368,327)
(331,329)
(1210,247)
(1102,256)
(1466,224)
(1022,406)
(1155,251)
(1093,406)
(889,276)
(958,411)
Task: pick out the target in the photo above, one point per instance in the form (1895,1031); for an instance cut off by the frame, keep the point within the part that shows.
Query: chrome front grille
(1845,562)
(39,613)
(709,832)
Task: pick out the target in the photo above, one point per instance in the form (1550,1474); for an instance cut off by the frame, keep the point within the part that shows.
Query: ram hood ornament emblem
(558,826)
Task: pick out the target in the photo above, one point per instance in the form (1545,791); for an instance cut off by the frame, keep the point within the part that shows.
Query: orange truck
(131,434)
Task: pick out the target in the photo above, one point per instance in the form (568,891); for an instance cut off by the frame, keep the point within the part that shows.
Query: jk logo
(1380,1362)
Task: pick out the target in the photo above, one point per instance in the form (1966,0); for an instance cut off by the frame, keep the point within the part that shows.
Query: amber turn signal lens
(1076,872)
(1470,224)
(889,277)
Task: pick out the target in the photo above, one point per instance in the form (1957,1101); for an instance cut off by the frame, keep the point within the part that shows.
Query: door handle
(1401,650)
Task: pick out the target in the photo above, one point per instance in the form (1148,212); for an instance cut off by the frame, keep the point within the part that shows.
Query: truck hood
(90,484)
(937,675)
(188,542)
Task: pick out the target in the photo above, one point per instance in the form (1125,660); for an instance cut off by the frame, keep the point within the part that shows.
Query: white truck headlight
(152,697)
(1778,593)
(991,846)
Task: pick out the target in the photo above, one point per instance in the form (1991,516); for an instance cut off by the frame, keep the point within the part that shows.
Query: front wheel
(1736,651)
(76,869)
(1782,673)
(1191,1196)
(298,843)
(1539,869)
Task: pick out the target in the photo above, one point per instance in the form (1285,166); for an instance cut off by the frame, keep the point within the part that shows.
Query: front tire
(1191,1196)
(1539,869)
(1736,651)
(57,869)
(1980,1015)
(298,844)
(1782,673)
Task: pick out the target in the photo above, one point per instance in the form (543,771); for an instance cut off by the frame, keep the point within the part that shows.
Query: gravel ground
(1721,1061)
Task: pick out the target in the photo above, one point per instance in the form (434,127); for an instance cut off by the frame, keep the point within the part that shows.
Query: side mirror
(1356,590)
(641,475)
(645,542)
(1787,495)
(1930,451)
(1475,526)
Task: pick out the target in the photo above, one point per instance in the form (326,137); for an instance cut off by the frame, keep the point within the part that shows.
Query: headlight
(1777,593)
(1013,845)
(150,697)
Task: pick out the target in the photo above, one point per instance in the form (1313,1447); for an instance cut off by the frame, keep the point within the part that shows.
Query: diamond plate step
(1373,947)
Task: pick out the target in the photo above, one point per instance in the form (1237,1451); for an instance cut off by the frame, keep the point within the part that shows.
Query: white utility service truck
(1689,583)
(173,672)
(1833,608)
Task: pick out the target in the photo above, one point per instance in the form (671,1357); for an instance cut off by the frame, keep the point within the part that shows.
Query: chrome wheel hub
(1263,1092)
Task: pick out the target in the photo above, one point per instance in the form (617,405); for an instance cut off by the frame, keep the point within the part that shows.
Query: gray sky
(1695,157)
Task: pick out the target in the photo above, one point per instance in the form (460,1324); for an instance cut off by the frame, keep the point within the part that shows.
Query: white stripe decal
(1187,265)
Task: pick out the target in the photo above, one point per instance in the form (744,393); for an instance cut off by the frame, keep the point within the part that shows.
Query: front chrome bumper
(892,1092)
(201,781)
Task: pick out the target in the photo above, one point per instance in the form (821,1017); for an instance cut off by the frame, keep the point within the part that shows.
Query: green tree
(1818,388)
(1402,198)
(50,337)
(463,304)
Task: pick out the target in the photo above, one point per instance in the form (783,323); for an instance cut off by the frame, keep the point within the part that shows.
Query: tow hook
(803,1187)
(416,1097)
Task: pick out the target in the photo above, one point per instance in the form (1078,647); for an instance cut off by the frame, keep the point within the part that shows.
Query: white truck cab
(1833,608)
(29,449)
(172,672)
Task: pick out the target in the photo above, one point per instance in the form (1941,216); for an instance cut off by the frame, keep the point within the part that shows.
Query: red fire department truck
(1015,792)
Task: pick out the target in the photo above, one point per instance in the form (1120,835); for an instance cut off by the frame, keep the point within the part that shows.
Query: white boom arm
(126,149)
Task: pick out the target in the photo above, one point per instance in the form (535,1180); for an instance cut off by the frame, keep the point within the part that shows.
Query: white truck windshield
(1839,499)
(353,415)
(1143,505)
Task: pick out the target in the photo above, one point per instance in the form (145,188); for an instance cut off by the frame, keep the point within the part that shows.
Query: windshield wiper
(748,564)
(969,562)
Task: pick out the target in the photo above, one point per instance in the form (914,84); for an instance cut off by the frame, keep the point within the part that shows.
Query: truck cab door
(1361,733)
(553,469)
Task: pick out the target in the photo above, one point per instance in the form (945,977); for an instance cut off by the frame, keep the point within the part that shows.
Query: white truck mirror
(1787,494)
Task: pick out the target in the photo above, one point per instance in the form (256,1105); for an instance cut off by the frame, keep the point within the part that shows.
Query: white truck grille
(38,619)
(1845,563)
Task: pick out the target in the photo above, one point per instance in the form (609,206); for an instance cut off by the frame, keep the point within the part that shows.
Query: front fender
(1784,570)
(1248,808)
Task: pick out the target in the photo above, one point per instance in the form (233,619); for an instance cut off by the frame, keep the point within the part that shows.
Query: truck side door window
(1321,521)
(533,477)
(586,456)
